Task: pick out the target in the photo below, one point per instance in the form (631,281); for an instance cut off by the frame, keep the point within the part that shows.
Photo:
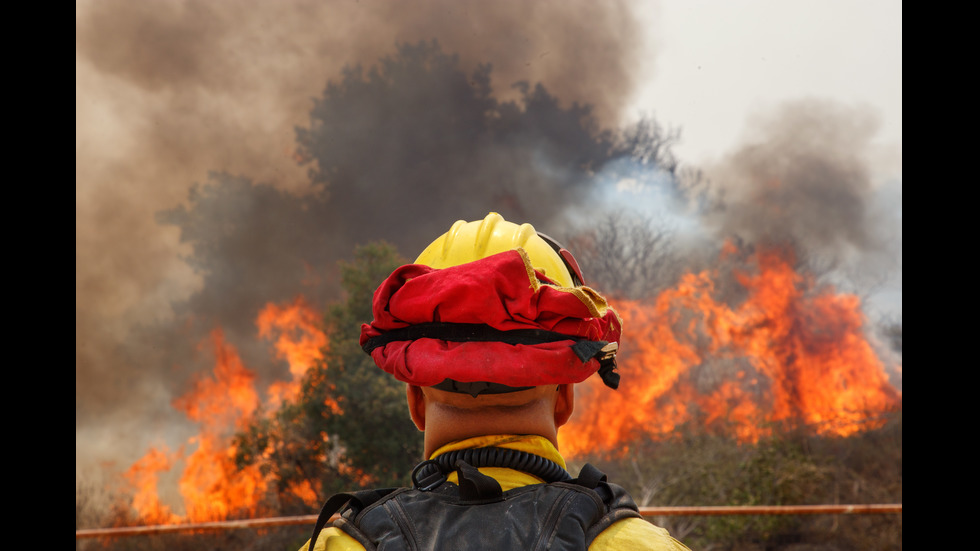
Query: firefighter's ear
(564,404)
(416,405)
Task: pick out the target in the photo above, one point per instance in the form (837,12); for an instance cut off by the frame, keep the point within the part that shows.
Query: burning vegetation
(790,354)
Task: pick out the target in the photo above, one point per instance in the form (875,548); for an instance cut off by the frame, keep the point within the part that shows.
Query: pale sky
(714,62)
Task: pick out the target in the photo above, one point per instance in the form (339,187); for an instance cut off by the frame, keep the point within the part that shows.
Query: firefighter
(490,328)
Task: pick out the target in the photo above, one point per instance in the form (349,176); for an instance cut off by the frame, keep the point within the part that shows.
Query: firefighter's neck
(447,417)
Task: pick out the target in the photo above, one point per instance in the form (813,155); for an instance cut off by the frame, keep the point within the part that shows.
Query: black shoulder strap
(358,500)
(590,476)
(619,504)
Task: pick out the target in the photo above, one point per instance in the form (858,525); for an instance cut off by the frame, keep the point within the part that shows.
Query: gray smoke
(208,97)
(802,177)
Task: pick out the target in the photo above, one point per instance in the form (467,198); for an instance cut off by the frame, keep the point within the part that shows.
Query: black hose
(543,468)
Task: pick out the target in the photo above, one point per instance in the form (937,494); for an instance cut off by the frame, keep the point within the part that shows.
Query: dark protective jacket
(476,514)
(491,502)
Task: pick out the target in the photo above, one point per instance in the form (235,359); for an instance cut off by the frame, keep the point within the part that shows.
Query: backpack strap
(618,502)
(358,500)
(590,476)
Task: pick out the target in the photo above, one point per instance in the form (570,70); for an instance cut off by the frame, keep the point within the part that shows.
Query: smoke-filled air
(229,155)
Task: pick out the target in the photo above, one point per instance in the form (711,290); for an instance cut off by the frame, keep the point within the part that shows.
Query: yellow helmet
(469,241)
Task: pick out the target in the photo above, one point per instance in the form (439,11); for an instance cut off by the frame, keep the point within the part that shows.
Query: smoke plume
(193,200)
(802,177)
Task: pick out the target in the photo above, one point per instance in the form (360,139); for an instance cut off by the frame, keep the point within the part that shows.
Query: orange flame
(143,476)
(212,486)
(790,352)
(299,343)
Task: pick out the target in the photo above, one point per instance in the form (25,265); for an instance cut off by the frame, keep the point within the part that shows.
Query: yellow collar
(507,478)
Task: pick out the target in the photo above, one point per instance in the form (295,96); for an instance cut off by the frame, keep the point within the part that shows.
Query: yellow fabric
(333,539)
(507,478)
(632,534)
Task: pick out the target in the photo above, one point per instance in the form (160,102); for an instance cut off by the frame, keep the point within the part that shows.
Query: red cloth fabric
(501,291)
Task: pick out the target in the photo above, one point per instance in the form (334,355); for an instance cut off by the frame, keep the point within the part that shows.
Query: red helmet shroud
(503,294)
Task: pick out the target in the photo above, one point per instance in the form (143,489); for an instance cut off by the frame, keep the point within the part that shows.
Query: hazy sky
(713,64)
